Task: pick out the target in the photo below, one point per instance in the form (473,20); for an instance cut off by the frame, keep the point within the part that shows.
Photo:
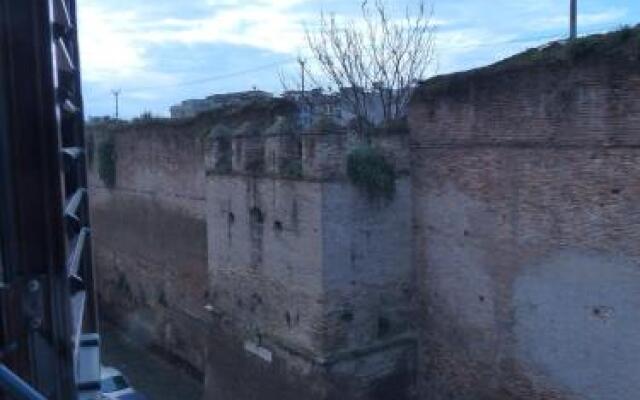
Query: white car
(114,386)
(88,367)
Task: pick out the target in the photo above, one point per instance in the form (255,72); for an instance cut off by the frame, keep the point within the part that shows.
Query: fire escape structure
(48,314)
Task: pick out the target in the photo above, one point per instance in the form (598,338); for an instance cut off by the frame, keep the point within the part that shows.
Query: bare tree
(378,56)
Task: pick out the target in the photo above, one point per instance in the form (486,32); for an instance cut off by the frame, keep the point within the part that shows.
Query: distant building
(191,108)
(315,105)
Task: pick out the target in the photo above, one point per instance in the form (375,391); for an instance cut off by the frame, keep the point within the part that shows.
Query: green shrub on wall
(107,161)
(291,168)
(369,170)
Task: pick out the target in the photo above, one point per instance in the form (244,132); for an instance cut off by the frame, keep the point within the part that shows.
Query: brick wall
(307,278)
(525,194)
(311,280)
(149,230)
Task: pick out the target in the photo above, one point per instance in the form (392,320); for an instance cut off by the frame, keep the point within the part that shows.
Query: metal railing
(15,386)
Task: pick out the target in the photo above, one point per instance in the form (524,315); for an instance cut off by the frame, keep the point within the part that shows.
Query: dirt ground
(149,374)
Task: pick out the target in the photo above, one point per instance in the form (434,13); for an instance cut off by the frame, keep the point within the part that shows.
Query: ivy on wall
(90,149)
(369,170)
(107,161)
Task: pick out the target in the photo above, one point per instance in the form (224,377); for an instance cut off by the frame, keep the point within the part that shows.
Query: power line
(529,39)
(216,77)
(509,41)
(297,60)
(293,60)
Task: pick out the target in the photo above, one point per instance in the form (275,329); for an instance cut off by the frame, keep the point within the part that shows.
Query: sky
(160,52)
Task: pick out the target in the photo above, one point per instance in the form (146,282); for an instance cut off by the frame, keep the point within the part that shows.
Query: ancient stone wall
(525,193)
(149,231)
(311,279)
(234,235)
(513,242)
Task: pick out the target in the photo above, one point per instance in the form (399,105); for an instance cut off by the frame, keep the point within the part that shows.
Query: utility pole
(302,63)
(573,31)
(116,95)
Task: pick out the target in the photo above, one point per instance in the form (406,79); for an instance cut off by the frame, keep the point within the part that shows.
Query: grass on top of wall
(621,45)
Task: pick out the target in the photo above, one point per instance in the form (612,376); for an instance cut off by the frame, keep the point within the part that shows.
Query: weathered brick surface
(525,194)
(300,262)
(558,105)
(150,237)
(265,270)
(312,270)
(150,231)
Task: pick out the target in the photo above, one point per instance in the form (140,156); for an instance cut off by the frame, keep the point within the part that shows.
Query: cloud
(263,26)
(158,43)
(116,45)
(510,27)
(275,25)
(106,51)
